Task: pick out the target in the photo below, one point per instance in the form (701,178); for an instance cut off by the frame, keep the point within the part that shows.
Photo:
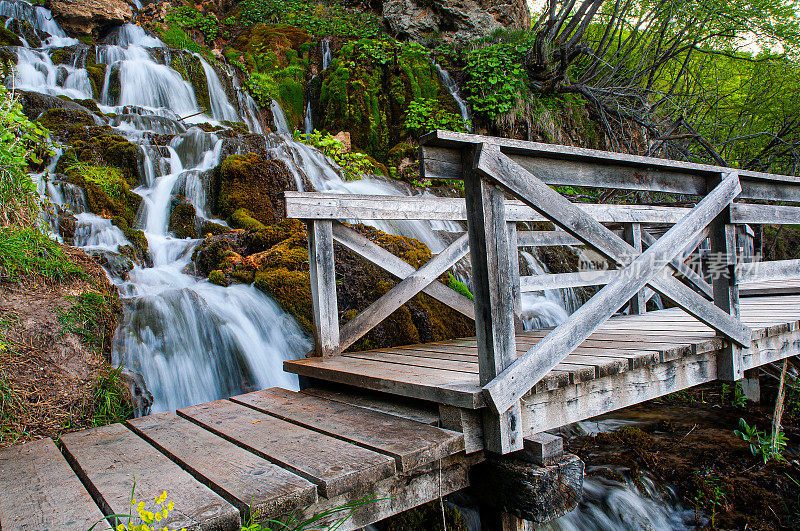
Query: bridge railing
(493,170)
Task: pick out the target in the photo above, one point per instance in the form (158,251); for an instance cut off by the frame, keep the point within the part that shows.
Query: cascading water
(551,307)
(451,87)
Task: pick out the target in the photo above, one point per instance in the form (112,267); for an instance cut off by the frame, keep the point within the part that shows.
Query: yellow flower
(158,517)
(145,527)
(162,498)
(170,505)
(141,506)
(121,527)
(133,502)
(164,512)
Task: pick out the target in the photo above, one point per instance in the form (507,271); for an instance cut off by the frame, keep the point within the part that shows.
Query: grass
(87,318)
(110,404)
(26,251)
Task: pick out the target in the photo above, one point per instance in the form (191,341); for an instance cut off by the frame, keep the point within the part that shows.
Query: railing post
(722,267)
(492,279)
(513,249)
(633,235)
(322,272)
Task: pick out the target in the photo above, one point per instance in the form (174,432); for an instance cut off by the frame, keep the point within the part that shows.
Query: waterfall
(550,307)
(221,108)
(308,120)
(281,126)
(448,82)
(325,45)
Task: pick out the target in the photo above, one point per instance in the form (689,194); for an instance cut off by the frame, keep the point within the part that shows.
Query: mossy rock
(24,29)
(247,189)
(191,69)
(107,191)
(9,38)
(105,150)
(275,259)
(182,220)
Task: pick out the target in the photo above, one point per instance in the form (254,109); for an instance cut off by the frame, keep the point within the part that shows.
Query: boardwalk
(412,423)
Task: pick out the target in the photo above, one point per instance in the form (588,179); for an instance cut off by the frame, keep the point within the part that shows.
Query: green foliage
(711,492)
(186,17)
(320,19)
(496,78)
(110,404)
(456,285)
(29,251)
(176,38)
(21,142)
(760,444)
(735,394)
(110,180)
(331,519)
(88,317)
(354,165)
(143,516)
(426,114)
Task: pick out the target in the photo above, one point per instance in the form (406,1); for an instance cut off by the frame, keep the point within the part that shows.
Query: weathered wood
(333,465)
(466,421)
(251,483)
(544,449)
(494,298)
(633,235)
(40,491)
(678,265)
(322,273)
(722,238)
(513,265)
(410,443)
(110,459)
(567,165)
(401,492)
(331,206)
(399,268)
(401,293)
(766,271)
(545,238)
(406,408)
(749,214)
(522,375)
(461,390)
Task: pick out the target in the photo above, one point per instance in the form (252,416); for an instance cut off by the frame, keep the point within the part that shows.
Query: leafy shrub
(354,165)
(21,141)
(321,19)
(426,115)
(190,18)
(760,444)
(496,77)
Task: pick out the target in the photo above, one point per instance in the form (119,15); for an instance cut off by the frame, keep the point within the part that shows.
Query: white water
(452,88)
(547,308)
(327,57)
(279,119)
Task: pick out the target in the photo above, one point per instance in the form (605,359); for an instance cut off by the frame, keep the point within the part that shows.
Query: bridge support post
(722,266)
(495,301)
(633,235)
(322,272)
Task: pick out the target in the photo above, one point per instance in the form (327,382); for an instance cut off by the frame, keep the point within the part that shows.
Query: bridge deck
(447,372)
(274,451)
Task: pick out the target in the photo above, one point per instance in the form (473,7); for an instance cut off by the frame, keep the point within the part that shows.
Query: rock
(116,264)
(344,138)
(513,484)
(36,103)
(247,190)
(24,29)
(84,17)
(140,398)
(460,20)
(182,220)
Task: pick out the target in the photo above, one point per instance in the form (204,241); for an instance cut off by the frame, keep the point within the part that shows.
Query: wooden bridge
(408,424)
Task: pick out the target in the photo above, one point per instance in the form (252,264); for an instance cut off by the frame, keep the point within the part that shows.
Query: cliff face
(458,20)
(81,17)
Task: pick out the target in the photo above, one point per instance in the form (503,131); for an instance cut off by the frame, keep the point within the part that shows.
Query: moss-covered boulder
(9,38)
(36,103)
(275,259)
(247,189)
(368,88)
(189,67)
(182,220)
(105,149)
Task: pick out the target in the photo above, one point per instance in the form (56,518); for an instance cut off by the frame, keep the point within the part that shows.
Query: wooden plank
(415,410)
(40,491)
(722,238)
(517,379)
(678,265)
(749,214)
(252,484)
(446,387)
(332,206)
(401,492)
(411,444)
(333,465)
(469,367)
(545,238)
(469,422)
(401,293)
(567,280)
(494,297)
(567,165)
(633,235)
(110,459)
(399,268)
(322,273)
(761,271)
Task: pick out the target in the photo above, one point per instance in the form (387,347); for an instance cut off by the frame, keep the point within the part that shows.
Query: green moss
(9,38)
(104,150)
(292,290)
(248,189)
(216,277)
(182,220)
